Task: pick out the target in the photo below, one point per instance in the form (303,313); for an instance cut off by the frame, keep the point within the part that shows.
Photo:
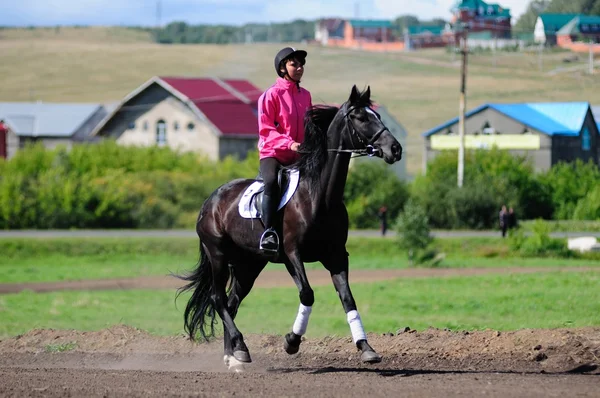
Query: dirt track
(122,361)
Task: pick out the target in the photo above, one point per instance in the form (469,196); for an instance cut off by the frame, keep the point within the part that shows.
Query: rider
(281,110)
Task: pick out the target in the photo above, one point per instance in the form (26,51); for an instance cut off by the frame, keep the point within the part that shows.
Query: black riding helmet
(286,54)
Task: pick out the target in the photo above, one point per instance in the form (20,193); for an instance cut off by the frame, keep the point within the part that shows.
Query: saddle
(250,205)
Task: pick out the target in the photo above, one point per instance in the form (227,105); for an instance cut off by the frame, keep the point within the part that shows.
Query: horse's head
(365,129)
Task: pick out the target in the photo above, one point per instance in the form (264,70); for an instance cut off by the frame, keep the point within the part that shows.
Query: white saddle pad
(246,206)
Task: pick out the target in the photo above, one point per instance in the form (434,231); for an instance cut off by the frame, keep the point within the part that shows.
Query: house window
(145,126)
(175,126)
(586,142)
(191,126)
(161,133)
(131,125)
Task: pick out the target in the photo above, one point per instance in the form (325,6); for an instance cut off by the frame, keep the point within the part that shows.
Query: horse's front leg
(295,267)
(338,267)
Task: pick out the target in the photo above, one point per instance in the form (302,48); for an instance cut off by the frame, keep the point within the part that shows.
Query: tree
(526,22)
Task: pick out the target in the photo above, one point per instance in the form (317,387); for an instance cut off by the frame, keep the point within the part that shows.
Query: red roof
(231,118)
(246,88)
(225,104)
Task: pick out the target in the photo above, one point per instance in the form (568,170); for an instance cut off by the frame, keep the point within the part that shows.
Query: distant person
(281,110)
(503,220)
(512,219)
(382,214)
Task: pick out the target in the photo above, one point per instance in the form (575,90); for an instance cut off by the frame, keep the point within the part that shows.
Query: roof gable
(581,24)
(46,119)
(554,22)
(229,104)
(549,118)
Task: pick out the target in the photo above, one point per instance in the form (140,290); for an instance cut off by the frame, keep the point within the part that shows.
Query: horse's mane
(314,148)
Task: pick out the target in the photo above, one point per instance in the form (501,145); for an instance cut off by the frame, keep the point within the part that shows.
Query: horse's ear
(354,95)
(366,96)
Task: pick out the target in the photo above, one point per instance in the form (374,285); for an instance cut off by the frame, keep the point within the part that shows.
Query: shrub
(414,235)
(539,243)
(371,185)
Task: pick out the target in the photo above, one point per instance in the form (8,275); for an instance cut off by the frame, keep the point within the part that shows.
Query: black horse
(313,226)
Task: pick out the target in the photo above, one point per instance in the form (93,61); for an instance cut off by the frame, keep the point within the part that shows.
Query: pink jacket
(281,112)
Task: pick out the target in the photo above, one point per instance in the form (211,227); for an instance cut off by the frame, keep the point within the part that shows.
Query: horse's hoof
(242,356)
(291,349)
(233,364)
(370,357)
(289,346)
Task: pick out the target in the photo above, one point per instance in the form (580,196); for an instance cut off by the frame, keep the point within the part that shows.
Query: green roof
(497,10)
(486,35)
(420,29)
(370,23)
(573,27)
(554,22)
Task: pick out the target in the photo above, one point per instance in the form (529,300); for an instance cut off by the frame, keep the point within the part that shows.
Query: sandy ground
(122,361)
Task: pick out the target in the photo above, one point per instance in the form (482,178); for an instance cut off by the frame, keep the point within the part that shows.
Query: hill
(421,89)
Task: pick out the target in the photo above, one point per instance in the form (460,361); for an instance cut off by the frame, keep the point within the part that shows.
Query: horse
(313,227)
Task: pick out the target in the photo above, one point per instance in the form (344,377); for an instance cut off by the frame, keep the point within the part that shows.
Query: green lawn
(506,302)
(60,259)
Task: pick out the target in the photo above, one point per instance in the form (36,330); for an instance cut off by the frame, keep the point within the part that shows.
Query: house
(329,28)
(422,36)
(482,17)
(596,113)
(547,133)
(213,116)
(547,25)
(365,34)
(52,124)
(580,34)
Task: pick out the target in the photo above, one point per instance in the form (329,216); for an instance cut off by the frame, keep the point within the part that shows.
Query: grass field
(508,302)
(60,259)
(420,89)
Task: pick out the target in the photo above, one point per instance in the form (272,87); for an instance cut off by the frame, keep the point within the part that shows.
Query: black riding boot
(269,241)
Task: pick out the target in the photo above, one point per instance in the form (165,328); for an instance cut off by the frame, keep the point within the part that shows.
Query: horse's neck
(333,177)
(333,180)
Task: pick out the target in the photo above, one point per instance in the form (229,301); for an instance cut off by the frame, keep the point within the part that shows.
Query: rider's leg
(268,170)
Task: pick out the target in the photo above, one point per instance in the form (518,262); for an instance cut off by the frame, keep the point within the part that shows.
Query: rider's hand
(295,146)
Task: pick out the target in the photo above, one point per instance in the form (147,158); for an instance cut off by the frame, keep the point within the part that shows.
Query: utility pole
(462,106)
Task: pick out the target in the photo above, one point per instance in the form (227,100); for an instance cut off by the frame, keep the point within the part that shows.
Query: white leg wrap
(356,327)
(301,322)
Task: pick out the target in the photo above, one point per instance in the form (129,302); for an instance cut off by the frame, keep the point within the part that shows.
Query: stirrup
(273,246)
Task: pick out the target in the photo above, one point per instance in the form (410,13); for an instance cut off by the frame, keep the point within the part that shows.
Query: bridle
(367,148)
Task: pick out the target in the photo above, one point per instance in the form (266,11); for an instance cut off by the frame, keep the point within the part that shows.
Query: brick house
(483,17)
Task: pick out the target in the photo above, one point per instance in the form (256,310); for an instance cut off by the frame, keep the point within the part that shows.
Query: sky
(233,12)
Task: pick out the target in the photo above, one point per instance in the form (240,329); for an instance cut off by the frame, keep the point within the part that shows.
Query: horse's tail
(200,313)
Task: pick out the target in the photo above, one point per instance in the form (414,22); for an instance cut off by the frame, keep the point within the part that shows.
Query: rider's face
(295,69)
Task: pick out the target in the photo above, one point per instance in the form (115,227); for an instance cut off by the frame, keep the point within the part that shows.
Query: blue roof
(551,118)
(45,119)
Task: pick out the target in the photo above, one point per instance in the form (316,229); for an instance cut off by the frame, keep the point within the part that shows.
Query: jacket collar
(287,84)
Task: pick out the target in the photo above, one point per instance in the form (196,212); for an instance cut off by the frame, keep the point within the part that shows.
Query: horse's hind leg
(220,268)
(242,282)
(338,267)
(307,298)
